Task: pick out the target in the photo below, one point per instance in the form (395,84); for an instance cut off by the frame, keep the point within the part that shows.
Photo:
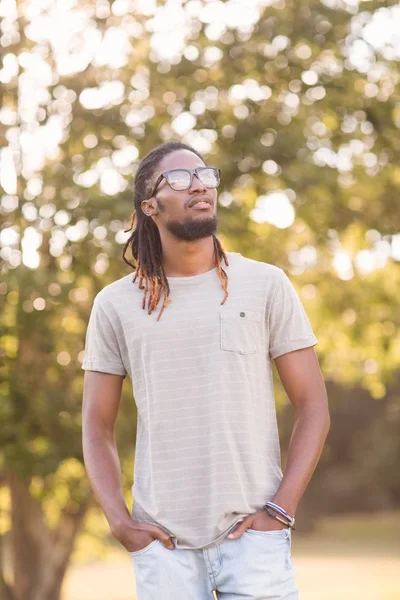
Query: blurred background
(298,103)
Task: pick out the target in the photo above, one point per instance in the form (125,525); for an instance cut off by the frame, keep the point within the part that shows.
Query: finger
(164,537)
(167,541)
(239,530)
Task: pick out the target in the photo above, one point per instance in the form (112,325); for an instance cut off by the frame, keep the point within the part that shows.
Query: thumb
(164,537)
(239,530)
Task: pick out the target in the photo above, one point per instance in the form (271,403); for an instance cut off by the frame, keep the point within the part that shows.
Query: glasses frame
(191,172)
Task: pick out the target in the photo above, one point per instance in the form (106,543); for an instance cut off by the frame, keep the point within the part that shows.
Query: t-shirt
(207,445)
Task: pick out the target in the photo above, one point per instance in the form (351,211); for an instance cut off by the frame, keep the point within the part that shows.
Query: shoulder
(259,268)
(115,292)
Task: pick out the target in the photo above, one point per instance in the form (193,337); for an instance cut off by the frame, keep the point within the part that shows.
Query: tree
(303,126)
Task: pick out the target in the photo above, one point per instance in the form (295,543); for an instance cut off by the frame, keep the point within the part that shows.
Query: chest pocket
(240,330)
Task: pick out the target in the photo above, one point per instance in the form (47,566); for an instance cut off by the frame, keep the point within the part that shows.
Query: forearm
(104,472)
(311,426)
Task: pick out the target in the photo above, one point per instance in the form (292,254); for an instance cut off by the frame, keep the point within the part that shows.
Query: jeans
(255,566)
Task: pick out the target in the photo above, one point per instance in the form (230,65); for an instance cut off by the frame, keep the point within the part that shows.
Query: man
(199,356)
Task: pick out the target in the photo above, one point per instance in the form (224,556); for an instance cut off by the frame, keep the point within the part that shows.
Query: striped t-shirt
(207,445)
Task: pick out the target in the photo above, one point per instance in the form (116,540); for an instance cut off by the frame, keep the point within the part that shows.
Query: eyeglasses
(181,179)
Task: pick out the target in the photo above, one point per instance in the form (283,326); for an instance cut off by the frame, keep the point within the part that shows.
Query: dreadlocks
(145,239)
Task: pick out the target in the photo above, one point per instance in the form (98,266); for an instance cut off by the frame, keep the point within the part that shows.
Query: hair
(145,241)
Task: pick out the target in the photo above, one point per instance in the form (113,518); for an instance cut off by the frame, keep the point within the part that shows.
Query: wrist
(286,504)
(280,514)
(119,524)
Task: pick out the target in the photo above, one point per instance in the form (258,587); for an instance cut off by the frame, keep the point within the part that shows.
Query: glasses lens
(209,177)
(179,180)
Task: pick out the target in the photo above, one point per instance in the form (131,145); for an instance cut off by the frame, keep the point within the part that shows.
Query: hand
(135,536)
(260,521)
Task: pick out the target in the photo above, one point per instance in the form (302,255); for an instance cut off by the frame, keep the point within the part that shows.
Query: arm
(291,346)
(291,341)
(101,399)
(302,380)
(301,377)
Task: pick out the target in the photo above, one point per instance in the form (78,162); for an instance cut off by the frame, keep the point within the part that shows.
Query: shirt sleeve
(102,351)
(289,327)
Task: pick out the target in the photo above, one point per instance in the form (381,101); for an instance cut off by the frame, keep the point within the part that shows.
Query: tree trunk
(40,555)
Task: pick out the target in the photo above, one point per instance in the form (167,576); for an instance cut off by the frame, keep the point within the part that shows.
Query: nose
(197,185)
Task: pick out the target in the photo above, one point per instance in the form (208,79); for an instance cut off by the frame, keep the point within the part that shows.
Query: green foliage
(279,107)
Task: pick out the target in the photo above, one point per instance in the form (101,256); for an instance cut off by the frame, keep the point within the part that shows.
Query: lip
(194,202)
(201,206)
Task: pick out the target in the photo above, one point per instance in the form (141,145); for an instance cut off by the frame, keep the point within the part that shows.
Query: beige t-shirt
(207,446)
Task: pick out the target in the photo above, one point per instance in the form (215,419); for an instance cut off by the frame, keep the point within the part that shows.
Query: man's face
(170,209)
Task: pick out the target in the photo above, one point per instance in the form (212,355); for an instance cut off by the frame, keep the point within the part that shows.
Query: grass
(350,558)
(349,535)
(346,558)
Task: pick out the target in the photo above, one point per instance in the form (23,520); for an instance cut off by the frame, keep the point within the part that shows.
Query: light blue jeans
(255,566)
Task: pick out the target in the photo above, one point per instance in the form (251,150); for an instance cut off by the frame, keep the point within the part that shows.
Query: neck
(185,259)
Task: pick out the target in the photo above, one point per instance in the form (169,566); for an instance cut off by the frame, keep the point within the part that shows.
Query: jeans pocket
(276,543)
(145,549)
(281,532)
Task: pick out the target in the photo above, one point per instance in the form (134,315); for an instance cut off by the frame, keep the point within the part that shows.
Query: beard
(193,229)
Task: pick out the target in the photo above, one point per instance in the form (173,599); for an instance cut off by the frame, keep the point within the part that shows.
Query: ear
(149,207)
